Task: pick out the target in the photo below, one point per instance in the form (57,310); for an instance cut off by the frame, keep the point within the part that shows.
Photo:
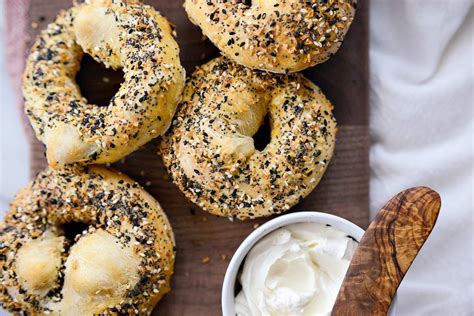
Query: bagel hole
(72,229)
(97,83)
(262,137)
(246,2)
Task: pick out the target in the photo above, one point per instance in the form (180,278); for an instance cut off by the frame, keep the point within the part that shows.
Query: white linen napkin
(421,60)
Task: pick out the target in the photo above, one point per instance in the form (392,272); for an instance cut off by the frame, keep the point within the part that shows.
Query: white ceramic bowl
(228,295)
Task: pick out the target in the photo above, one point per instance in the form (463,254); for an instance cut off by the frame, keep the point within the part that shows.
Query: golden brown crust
(120,34)
(275,35)
(209,150)
(122,263)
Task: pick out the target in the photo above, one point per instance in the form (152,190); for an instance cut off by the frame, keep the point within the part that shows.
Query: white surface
(422,131)
(14,170)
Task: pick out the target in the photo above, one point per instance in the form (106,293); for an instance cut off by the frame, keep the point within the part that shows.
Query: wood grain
(386,252)
(344,190)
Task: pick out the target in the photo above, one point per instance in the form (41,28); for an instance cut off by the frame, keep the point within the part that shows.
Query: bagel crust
(210,153)
(280,36)
(119,34)
(121,264)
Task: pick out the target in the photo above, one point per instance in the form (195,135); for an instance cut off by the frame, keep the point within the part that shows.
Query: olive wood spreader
(386,252)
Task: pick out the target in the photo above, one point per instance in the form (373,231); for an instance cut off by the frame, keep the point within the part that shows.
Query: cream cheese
(295,270)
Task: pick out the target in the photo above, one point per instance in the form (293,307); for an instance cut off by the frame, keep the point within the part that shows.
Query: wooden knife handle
(386,252)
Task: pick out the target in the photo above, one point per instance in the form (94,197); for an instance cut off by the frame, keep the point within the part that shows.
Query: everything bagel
(210,153)
(275,35)
(119,34)
(120,264)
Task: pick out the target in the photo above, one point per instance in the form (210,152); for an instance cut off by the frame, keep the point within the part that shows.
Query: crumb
(205,260)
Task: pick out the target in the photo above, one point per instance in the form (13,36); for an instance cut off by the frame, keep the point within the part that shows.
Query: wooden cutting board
(206,243)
